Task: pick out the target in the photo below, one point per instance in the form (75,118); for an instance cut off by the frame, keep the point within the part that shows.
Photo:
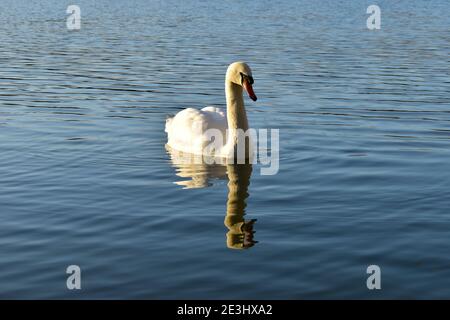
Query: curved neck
(236,115)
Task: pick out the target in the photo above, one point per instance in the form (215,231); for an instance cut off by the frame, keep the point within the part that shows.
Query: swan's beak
(248,87)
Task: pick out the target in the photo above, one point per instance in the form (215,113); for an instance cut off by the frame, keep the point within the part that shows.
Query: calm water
(364,119)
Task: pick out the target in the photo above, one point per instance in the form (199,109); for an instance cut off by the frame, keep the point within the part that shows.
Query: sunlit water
(85,179)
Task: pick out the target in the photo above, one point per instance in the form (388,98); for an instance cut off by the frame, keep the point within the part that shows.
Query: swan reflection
(198,174)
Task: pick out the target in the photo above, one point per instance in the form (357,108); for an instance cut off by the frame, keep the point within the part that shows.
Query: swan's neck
(237,121)
(236,115)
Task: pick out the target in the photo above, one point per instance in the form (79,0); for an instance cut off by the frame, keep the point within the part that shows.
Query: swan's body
(186,131)
(190,130)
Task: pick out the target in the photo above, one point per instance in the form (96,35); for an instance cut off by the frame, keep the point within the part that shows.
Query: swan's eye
(246,77)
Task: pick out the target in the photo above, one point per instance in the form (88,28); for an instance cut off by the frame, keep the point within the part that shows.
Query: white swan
(190,129)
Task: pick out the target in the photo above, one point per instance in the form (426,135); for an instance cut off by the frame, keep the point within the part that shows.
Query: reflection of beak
(248,87)
(240,234)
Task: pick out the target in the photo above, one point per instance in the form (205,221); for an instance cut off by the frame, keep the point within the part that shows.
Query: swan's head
(240,73)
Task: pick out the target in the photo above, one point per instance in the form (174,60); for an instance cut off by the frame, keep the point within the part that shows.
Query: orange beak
(248,87)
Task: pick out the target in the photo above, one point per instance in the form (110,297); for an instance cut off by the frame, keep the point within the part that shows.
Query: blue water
(85,179)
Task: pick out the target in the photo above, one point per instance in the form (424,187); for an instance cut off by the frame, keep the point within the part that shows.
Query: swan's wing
(217,118)
(186,130)
(214,110)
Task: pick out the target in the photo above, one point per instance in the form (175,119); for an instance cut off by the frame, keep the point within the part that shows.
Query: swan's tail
(168,124)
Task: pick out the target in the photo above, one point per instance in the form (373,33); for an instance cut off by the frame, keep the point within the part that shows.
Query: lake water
(364,178)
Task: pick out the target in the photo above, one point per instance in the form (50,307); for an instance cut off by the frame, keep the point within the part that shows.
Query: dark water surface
(364,119)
